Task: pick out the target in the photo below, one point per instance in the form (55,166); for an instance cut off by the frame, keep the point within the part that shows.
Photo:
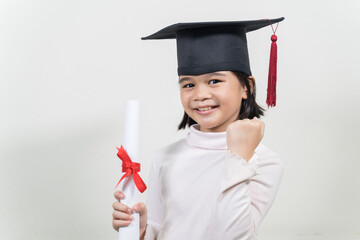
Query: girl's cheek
(185,97)
(184,102)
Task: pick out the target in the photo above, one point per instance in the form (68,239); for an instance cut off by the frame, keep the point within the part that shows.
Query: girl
(220,181)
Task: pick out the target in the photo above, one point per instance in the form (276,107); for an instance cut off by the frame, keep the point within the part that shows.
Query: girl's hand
(122,214)
(243,136)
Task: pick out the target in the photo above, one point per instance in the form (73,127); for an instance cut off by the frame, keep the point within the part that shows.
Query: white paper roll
(131,145)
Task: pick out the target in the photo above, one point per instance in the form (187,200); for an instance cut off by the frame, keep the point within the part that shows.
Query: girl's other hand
(122,214)
(243,136)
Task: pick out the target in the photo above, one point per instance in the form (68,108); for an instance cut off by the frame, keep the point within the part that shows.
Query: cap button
(274,38)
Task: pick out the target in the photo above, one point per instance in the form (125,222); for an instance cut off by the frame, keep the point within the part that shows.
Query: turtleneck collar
(206,140)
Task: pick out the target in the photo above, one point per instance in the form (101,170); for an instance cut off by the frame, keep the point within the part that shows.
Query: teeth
(204,109)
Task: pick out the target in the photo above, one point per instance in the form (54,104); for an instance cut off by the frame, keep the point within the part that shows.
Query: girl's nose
(201,93)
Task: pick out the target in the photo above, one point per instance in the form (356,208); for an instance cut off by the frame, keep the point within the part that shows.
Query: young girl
(220,181)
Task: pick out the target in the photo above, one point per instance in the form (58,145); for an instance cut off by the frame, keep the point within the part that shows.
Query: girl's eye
(189,85)
(214,81)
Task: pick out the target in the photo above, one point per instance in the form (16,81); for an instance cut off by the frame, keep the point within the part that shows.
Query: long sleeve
(246,192)
(154,204)
(199,190)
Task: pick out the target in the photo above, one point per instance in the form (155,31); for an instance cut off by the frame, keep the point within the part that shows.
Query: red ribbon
(130,167)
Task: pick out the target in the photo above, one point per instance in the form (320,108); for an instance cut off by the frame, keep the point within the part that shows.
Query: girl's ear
(245,95)
(251,83)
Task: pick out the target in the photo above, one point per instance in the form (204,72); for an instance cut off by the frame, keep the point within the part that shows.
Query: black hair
(249,107)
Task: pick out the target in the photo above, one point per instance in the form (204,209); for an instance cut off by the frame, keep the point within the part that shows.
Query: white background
(66,68)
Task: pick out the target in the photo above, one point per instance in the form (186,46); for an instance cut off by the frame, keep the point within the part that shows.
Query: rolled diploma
(131,145)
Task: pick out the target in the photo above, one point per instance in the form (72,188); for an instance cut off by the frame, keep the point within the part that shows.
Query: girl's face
(213,100)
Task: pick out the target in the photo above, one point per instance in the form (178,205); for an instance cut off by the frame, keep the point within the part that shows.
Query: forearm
(234,216)
(246,192)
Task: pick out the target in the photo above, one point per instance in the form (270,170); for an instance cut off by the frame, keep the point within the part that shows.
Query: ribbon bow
(130,167)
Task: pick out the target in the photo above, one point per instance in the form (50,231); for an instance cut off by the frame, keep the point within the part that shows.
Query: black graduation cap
(204,47)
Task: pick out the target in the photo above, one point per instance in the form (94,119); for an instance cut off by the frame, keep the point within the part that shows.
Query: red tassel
(271,90)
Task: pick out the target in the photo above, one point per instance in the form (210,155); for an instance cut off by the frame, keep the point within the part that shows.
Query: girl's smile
(205,110)
(213,100)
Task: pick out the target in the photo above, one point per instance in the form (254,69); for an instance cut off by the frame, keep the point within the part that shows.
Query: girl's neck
(206,140)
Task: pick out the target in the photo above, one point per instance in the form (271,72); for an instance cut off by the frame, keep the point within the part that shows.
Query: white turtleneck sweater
(198,190)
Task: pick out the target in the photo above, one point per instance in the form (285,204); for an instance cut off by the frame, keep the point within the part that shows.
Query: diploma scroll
(128,187)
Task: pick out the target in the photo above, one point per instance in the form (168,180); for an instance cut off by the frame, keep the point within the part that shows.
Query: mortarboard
(204,47)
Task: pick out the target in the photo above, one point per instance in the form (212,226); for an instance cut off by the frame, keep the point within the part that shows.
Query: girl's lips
(204,112)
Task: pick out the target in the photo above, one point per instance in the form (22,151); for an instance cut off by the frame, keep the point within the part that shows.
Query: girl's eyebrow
(210,75)
(183,79)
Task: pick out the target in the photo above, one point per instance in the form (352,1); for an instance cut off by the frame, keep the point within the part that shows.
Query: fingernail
(129,210)
(131,217)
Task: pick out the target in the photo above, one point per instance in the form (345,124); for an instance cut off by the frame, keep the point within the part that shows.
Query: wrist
(244,155)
